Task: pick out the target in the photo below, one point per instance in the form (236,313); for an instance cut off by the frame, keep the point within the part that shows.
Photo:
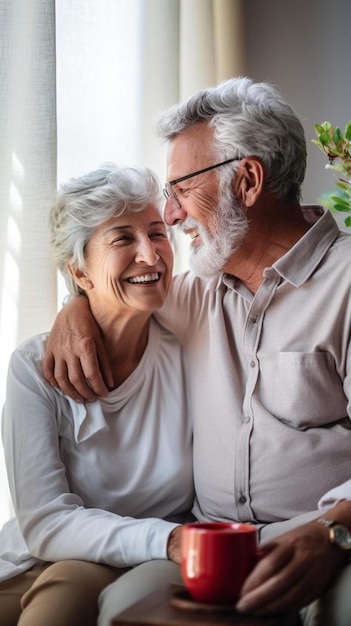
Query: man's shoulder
(344,239)
(188,304)
(187,283)
(341,249)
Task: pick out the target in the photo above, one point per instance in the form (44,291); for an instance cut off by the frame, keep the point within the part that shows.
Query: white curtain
(210,43)
(118,64)
(27,177)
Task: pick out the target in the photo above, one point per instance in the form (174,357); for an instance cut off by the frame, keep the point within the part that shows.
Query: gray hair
(248,119)
(84,203)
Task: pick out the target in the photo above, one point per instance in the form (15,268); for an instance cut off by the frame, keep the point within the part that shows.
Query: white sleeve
(332,497)
(54,522)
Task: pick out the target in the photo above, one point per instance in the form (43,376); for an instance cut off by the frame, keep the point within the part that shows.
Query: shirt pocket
(302,389)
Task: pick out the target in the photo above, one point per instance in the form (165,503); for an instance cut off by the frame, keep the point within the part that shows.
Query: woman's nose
(173,214)
(146,253)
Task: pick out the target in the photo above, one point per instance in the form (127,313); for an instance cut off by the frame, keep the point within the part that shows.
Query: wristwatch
(338,534)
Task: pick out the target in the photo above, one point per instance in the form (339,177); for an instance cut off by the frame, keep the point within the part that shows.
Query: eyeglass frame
(172,194)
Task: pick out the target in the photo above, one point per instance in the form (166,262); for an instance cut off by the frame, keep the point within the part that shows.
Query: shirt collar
(299,263)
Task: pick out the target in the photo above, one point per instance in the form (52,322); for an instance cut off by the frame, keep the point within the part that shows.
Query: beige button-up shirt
(270,378)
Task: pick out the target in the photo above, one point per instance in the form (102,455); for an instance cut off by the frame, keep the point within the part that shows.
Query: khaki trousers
(57,594)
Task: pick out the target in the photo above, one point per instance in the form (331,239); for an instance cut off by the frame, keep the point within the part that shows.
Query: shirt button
(254,319)
(252,363)
(247,419)
(242,500)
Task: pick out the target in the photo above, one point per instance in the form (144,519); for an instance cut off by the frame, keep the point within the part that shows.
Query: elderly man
(266,323)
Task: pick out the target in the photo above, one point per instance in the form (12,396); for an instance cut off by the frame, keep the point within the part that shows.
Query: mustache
(188,223)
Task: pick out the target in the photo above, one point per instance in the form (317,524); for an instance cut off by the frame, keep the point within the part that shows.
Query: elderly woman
(97,487)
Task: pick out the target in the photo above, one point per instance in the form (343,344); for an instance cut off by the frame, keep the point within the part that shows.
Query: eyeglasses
(168,190)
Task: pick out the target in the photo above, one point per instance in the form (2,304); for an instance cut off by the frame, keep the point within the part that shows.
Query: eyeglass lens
(169,192)
(168,189)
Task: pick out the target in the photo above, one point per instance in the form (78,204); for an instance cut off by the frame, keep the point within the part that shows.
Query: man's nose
(173,214)
(146,253)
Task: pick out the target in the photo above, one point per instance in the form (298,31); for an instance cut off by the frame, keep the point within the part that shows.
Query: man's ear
(248,181)
(80,276)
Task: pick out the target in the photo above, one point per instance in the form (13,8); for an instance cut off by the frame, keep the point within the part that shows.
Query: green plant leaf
(340,200)
(337,148)
(345,186)
(343,208)
(319,129)
(324,138)
(338,137)
(337,167)
(317,143)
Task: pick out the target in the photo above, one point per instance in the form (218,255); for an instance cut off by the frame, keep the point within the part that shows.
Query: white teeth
(193,233)
(147,278)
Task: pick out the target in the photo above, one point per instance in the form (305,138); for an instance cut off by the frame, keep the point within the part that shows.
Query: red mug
(217,557)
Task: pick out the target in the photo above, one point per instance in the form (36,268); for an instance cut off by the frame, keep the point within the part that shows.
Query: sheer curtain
(82,82)
(27,178)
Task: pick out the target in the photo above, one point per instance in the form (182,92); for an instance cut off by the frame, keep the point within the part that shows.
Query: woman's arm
(54,522)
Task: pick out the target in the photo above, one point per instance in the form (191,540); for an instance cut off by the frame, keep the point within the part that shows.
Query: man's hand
(75,358)
(174,546)
(296,569)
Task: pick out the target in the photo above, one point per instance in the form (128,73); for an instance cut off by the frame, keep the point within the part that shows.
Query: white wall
(304,48)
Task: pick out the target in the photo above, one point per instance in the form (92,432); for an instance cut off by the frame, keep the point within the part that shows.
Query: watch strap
(328,523)
(333,527)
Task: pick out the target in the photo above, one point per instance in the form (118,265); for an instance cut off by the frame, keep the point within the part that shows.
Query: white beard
(209,259)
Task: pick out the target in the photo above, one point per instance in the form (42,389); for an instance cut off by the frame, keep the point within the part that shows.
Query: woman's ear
(248,181)
(80,276)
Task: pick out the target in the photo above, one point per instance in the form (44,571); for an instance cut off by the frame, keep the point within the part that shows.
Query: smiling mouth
(196,241)
(146,278)
(192,232)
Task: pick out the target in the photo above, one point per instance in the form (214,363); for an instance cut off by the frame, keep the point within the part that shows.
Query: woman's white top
(96,481)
